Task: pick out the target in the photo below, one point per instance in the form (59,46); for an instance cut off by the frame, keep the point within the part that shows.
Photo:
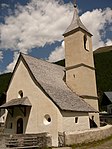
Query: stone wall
(42,140)
(2,141)
(88,135)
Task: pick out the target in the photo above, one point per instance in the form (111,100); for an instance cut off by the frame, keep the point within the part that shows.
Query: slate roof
(50,77)
(103,49)
(76,23)
(17,102)
(109,95)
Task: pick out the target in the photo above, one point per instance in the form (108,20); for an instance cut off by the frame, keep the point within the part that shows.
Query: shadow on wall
(92,123)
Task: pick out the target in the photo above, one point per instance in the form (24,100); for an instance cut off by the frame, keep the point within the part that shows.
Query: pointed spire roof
(76,23)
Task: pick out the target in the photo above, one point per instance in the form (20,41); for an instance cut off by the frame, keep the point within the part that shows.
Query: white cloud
(108,42)
(43,22)
(57,54)
(1,55)
(96,22)
(10,67)
(35,25)
(4,5)
(111,28)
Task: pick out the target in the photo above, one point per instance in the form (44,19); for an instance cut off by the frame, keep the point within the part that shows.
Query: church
(45,97)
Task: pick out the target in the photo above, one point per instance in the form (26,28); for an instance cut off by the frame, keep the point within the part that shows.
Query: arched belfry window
(20,94)
(86,42)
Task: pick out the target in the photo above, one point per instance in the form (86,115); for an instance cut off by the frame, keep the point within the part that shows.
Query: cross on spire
(75,3)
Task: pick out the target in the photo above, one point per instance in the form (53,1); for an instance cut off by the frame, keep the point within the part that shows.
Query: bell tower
(80,71)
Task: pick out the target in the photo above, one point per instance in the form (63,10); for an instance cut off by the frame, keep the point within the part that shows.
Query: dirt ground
(103,145)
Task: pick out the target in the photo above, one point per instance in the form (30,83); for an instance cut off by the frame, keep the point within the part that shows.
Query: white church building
(45,97)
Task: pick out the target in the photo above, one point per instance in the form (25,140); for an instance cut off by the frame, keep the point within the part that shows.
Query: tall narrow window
(20,94)
(86,43)
(76,119)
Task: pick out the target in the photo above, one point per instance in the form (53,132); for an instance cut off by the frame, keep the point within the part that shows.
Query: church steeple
(75,23)
(79,64)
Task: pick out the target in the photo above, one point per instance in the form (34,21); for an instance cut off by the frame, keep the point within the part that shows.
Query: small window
(74,75)
(76,119)
(92,117)
(47,119)
(20,94)
(3,117)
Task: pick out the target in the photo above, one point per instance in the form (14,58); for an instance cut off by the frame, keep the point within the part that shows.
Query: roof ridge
(23,54)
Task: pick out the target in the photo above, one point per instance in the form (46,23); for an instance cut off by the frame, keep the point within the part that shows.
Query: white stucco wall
(69,124)
(41,105)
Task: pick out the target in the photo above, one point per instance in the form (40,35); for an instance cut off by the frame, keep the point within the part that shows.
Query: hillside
(103,65)
(4,81)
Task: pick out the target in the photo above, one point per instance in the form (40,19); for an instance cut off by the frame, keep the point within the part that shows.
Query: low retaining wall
(40,140)
(2,141)
(88,135)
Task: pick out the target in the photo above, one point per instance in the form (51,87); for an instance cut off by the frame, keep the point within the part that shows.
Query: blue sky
(35,27)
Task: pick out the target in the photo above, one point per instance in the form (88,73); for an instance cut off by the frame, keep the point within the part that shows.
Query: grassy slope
(4,81)
(103,65)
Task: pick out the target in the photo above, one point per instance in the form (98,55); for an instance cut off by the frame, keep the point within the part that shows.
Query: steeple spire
(75,4)
(76,22)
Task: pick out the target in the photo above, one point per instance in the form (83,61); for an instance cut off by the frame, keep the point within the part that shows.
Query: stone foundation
(25,140)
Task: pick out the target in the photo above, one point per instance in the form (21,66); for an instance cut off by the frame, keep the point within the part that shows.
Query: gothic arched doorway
(20,126)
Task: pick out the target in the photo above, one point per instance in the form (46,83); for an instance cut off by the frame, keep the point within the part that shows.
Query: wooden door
(20,126)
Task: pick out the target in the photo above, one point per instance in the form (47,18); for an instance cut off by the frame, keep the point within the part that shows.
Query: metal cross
(75,1)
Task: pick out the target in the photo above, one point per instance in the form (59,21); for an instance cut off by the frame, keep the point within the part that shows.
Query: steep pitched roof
(109,95)
(75,23)
(103,49)
(17,102)
(50,77)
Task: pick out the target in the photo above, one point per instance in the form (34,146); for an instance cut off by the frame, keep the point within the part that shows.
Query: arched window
(86,43)
(20,94)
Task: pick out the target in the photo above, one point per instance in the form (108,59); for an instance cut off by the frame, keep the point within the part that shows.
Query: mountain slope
(4,82)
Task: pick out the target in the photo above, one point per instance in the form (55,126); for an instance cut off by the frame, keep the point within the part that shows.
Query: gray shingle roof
(17,102)
(50,77)
(76,23)
(109,95)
